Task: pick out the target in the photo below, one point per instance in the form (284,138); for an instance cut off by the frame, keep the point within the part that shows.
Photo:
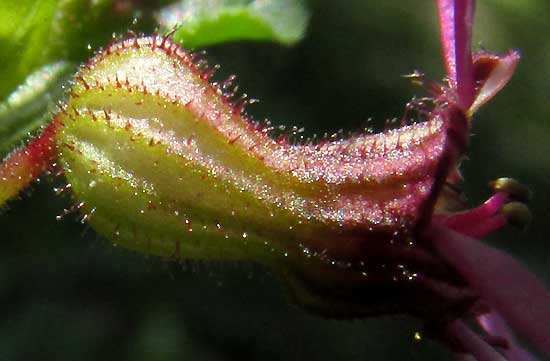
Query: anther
(512,187)
(517,214)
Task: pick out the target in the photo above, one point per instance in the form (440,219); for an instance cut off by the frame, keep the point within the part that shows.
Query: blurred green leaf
(38,41)
(23,33)
(27,108)
(38,32)
(207,22)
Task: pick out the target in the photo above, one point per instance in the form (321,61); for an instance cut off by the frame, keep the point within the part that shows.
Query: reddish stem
(27,163)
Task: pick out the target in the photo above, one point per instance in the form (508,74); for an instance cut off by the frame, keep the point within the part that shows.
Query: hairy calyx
(165,162)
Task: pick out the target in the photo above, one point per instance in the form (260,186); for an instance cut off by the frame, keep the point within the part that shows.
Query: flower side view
(163,161)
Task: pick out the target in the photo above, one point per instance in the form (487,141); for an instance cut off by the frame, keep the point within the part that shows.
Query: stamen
(494,214)
(480,221)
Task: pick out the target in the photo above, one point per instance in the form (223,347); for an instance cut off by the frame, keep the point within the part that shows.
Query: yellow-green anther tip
(515,189)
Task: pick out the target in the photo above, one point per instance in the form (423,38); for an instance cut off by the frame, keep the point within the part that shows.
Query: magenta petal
(472,343)
(501,281)
(497,79)
(463,357)
(486,227)
(456,22)
(494,325)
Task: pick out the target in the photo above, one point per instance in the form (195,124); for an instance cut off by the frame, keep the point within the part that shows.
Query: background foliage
(69,295)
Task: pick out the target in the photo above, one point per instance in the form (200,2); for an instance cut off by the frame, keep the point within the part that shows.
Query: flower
(164,162)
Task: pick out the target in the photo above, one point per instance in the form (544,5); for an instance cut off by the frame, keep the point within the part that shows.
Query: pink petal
(501,281)
(472,343)
(456,22)
(493,324)
(463,357)
(502,69)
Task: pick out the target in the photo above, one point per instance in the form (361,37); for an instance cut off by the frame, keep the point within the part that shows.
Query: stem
(26,164)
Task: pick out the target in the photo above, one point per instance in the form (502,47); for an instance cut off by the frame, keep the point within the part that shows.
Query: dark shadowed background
(67,294)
